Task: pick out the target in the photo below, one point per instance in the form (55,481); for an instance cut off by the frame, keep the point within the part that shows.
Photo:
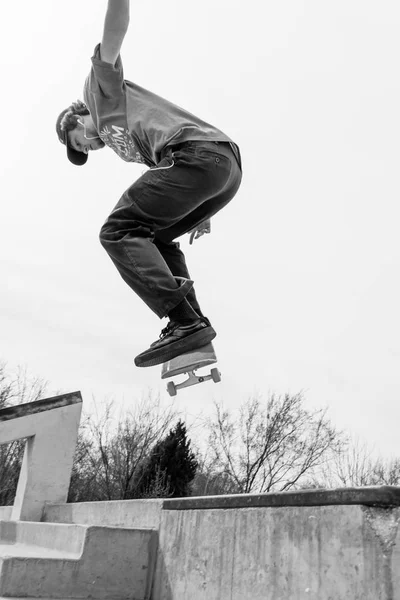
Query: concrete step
(115,513)
(68,539)
(25,550)
(59,561)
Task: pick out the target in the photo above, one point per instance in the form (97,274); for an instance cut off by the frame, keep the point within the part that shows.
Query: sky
(300,274)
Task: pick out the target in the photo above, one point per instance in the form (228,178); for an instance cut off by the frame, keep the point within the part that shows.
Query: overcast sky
(300,275)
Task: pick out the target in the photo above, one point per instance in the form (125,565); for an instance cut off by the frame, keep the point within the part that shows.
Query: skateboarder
(195,170)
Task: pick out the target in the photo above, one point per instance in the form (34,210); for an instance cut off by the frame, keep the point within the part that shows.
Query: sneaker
(176,339)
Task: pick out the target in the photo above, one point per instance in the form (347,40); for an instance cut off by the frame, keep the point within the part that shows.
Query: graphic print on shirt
(120,140)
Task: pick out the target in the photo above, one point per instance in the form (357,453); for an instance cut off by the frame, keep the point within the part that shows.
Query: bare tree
(210,479)
(271,446)
(159,487)
(385,472)
(109,453)
(211,482)
(5,386)
(19,387)
(353,465)
(349,466)
(10,466)
(16,387)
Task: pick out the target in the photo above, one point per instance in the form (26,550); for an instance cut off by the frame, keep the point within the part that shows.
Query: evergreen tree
(170,468)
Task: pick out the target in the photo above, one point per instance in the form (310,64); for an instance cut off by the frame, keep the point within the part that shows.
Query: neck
(91,132)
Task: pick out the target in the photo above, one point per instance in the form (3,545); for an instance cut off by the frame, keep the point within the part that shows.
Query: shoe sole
(170,351)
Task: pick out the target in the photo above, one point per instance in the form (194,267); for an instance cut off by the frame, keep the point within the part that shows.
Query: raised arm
(115,27)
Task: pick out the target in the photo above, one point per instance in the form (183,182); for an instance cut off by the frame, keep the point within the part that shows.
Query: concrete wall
(296,553)
(308,545)
(5,513)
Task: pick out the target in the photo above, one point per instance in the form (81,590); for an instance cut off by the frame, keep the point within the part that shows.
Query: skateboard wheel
(171,389)
(216,375)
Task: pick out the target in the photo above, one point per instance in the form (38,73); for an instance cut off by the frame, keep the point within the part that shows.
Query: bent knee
(118,231)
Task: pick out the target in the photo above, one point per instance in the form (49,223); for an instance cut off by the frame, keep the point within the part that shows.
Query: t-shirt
(134,122)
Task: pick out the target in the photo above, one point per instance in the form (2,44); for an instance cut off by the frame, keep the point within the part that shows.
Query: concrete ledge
(115,513)
(384,496)
(147,513)
(32,408)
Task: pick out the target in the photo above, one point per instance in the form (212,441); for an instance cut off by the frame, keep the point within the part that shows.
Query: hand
(204,227)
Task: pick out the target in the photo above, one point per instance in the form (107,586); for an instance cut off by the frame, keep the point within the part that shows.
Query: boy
(195,170)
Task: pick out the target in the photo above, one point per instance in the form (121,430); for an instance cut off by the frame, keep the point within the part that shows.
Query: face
(78,138)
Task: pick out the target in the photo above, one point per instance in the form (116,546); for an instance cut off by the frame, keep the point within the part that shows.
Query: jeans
(191,183)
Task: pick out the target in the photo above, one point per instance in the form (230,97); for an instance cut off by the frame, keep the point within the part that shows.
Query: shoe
(176,339)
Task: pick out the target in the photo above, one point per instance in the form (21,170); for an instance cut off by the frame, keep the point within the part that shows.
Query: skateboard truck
(187,364)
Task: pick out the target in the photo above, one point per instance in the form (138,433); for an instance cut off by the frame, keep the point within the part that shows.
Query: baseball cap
(77,158)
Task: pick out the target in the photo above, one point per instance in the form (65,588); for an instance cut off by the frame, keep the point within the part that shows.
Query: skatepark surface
(341,544)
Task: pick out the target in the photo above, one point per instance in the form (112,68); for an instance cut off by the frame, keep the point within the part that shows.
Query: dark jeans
(191,183)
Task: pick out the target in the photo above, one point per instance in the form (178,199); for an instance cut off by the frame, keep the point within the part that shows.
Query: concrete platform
(341,544)
(308,545)
(66,562)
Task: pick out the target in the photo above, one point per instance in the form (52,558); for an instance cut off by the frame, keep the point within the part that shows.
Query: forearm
(115,27)
(117,15)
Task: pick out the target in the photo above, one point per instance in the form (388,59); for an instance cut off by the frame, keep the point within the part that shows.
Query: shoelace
(169,328)
(166,330)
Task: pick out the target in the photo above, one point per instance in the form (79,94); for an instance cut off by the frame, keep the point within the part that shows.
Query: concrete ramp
(60,561)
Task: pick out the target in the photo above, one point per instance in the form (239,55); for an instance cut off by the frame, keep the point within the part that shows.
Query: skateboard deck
(188,363)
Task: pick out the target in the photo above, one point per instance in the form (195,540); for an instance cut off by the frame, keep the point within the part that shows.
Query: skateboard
(187,364)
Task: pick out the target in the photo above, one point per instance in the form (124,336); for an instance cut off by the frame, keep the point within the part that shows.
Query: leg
(161,205)
(156,201)
(175,259)
(171,251)
(128,236)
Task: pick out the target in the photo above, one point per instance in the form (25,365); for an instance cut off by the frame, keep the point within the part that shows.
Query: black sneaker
(176,339)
